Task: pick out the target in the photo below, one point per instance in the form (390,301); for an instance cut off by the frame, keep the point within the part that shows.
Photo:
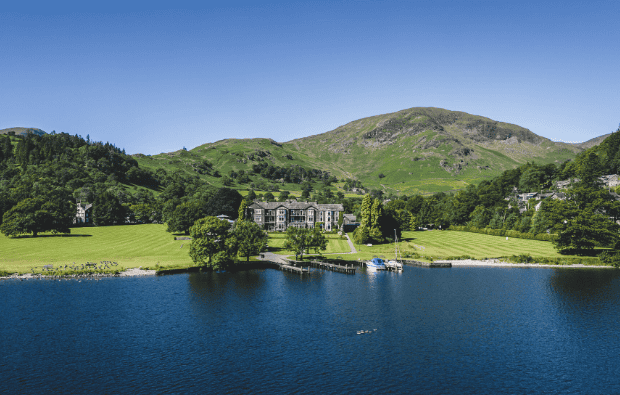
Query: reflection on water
(459,330)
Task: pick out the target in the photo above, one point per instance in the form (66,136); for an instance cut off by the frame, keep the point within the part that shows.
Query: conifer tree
(365,212)
(242,207)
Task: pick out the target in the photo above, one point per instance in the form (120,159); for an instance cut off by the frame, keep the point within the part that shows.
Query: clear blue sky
(155,76)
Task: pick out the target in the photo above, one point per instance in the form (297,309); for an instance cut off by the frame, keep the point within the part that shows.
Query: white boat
(394,264)
(375,264)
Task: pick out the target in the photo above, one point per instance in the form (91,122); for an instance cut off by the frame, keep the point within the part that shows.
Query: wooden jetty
(293,269)
(333,267)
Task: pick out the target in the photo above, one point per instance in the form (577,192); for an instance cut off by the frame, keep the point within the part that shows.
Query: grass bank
(446,244)
(128,245)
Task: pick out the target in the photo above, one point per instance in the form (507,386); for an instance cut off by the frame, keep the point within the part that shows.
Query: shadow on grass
(592,253)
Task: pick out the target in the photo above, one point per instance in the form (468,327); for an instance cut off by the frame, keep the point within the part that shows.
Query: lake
(464,330)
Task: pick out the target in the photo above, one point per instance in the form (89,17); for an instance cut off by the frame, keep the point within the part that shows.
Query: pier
(333,267)
(293,269)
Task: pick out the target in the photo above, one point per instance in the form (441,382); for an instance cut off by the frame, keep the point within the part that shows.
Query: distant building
(278,216)
(609,180)
(349,222)
(84,214)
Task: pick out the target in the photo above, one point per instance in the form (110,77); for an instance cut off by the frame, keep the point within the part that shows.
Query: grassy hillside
(418,150)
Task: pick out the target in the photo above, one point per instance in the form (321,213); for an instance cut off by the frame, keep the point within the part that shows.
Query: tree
(414,204)
(480,217)
(251,196)
(225,201)
(25,217)
(284,195)
(184,216)
(242,208)
(36,215)
(317,241)
(532,179)
(365,212)
(269,197)
(585,231)
(297,240)
(211,236)
(249,238)
(108,210)
(376,214)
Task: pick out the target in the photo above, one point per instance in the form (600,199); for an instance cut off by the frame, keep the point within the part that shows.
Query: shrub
(610,258)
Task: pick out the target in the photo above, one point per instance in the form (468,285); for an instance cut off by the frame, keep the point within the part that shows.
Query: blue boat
(375,264)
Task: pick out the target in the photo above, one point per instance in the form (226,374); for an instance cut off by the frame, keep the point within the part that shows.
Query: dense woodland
(42,177)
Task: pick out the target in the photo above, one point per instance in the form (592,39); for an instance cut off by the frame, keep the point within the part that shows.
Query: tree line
(42,177)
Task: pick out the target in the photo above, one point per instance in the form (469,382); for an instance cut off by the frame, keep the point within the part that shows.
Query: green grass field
(150,245)
(442,244)
(130,246)
(335,245)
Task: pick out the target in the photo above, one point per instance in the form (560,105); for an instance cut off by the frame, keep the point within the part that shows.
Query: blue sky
(155,76)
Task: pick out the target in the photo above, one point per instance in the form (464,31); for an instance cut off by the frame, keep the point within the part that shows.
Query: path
(353,250)
(270,256)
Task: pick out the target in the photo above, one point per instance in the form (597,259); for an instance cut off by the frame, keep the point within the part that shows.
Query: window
(257,218)
(257,211)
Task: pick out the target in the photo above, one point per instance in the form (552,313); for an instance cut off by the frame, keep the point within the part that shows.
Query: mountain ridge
(416,150)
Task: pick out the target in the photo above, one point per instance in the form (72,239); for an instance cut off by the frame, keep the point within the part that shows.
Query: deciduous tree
(249,238)
(210,236)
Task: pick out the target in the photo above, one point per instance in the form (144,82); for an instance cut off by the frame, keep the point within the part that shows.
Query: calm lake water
(434,331)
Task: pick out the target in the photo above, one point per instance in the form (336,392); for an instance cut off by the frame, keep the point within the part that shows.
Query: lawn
(442,244)
(335,245)
(129,245)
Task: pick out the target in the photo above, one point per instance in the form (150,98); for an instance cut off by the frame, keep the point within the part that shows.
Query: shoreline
(132,272)
(498,263)
(138,272)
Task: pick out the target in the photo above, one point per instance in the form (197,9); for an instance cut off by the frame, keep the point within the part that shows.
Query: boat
(394,264)
(375,264)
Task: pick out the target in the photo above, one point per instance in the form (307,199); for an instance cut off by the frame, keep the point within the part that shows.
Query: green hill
(418,150)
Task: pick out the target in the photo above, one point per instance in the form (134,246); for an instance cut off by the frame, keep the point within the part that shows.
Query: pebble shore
(133,272)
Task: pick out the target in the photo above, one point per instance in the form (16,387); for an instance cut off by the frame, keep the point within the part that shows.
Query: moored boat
(375,264)
(394,264)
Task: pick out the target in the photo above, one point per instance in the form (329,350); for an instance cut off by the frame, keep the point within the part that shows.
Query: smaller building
(349,222)
(84,214)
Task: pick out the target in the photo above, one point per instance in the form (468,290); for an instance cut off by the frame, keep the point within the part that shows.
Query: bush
(610,258)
